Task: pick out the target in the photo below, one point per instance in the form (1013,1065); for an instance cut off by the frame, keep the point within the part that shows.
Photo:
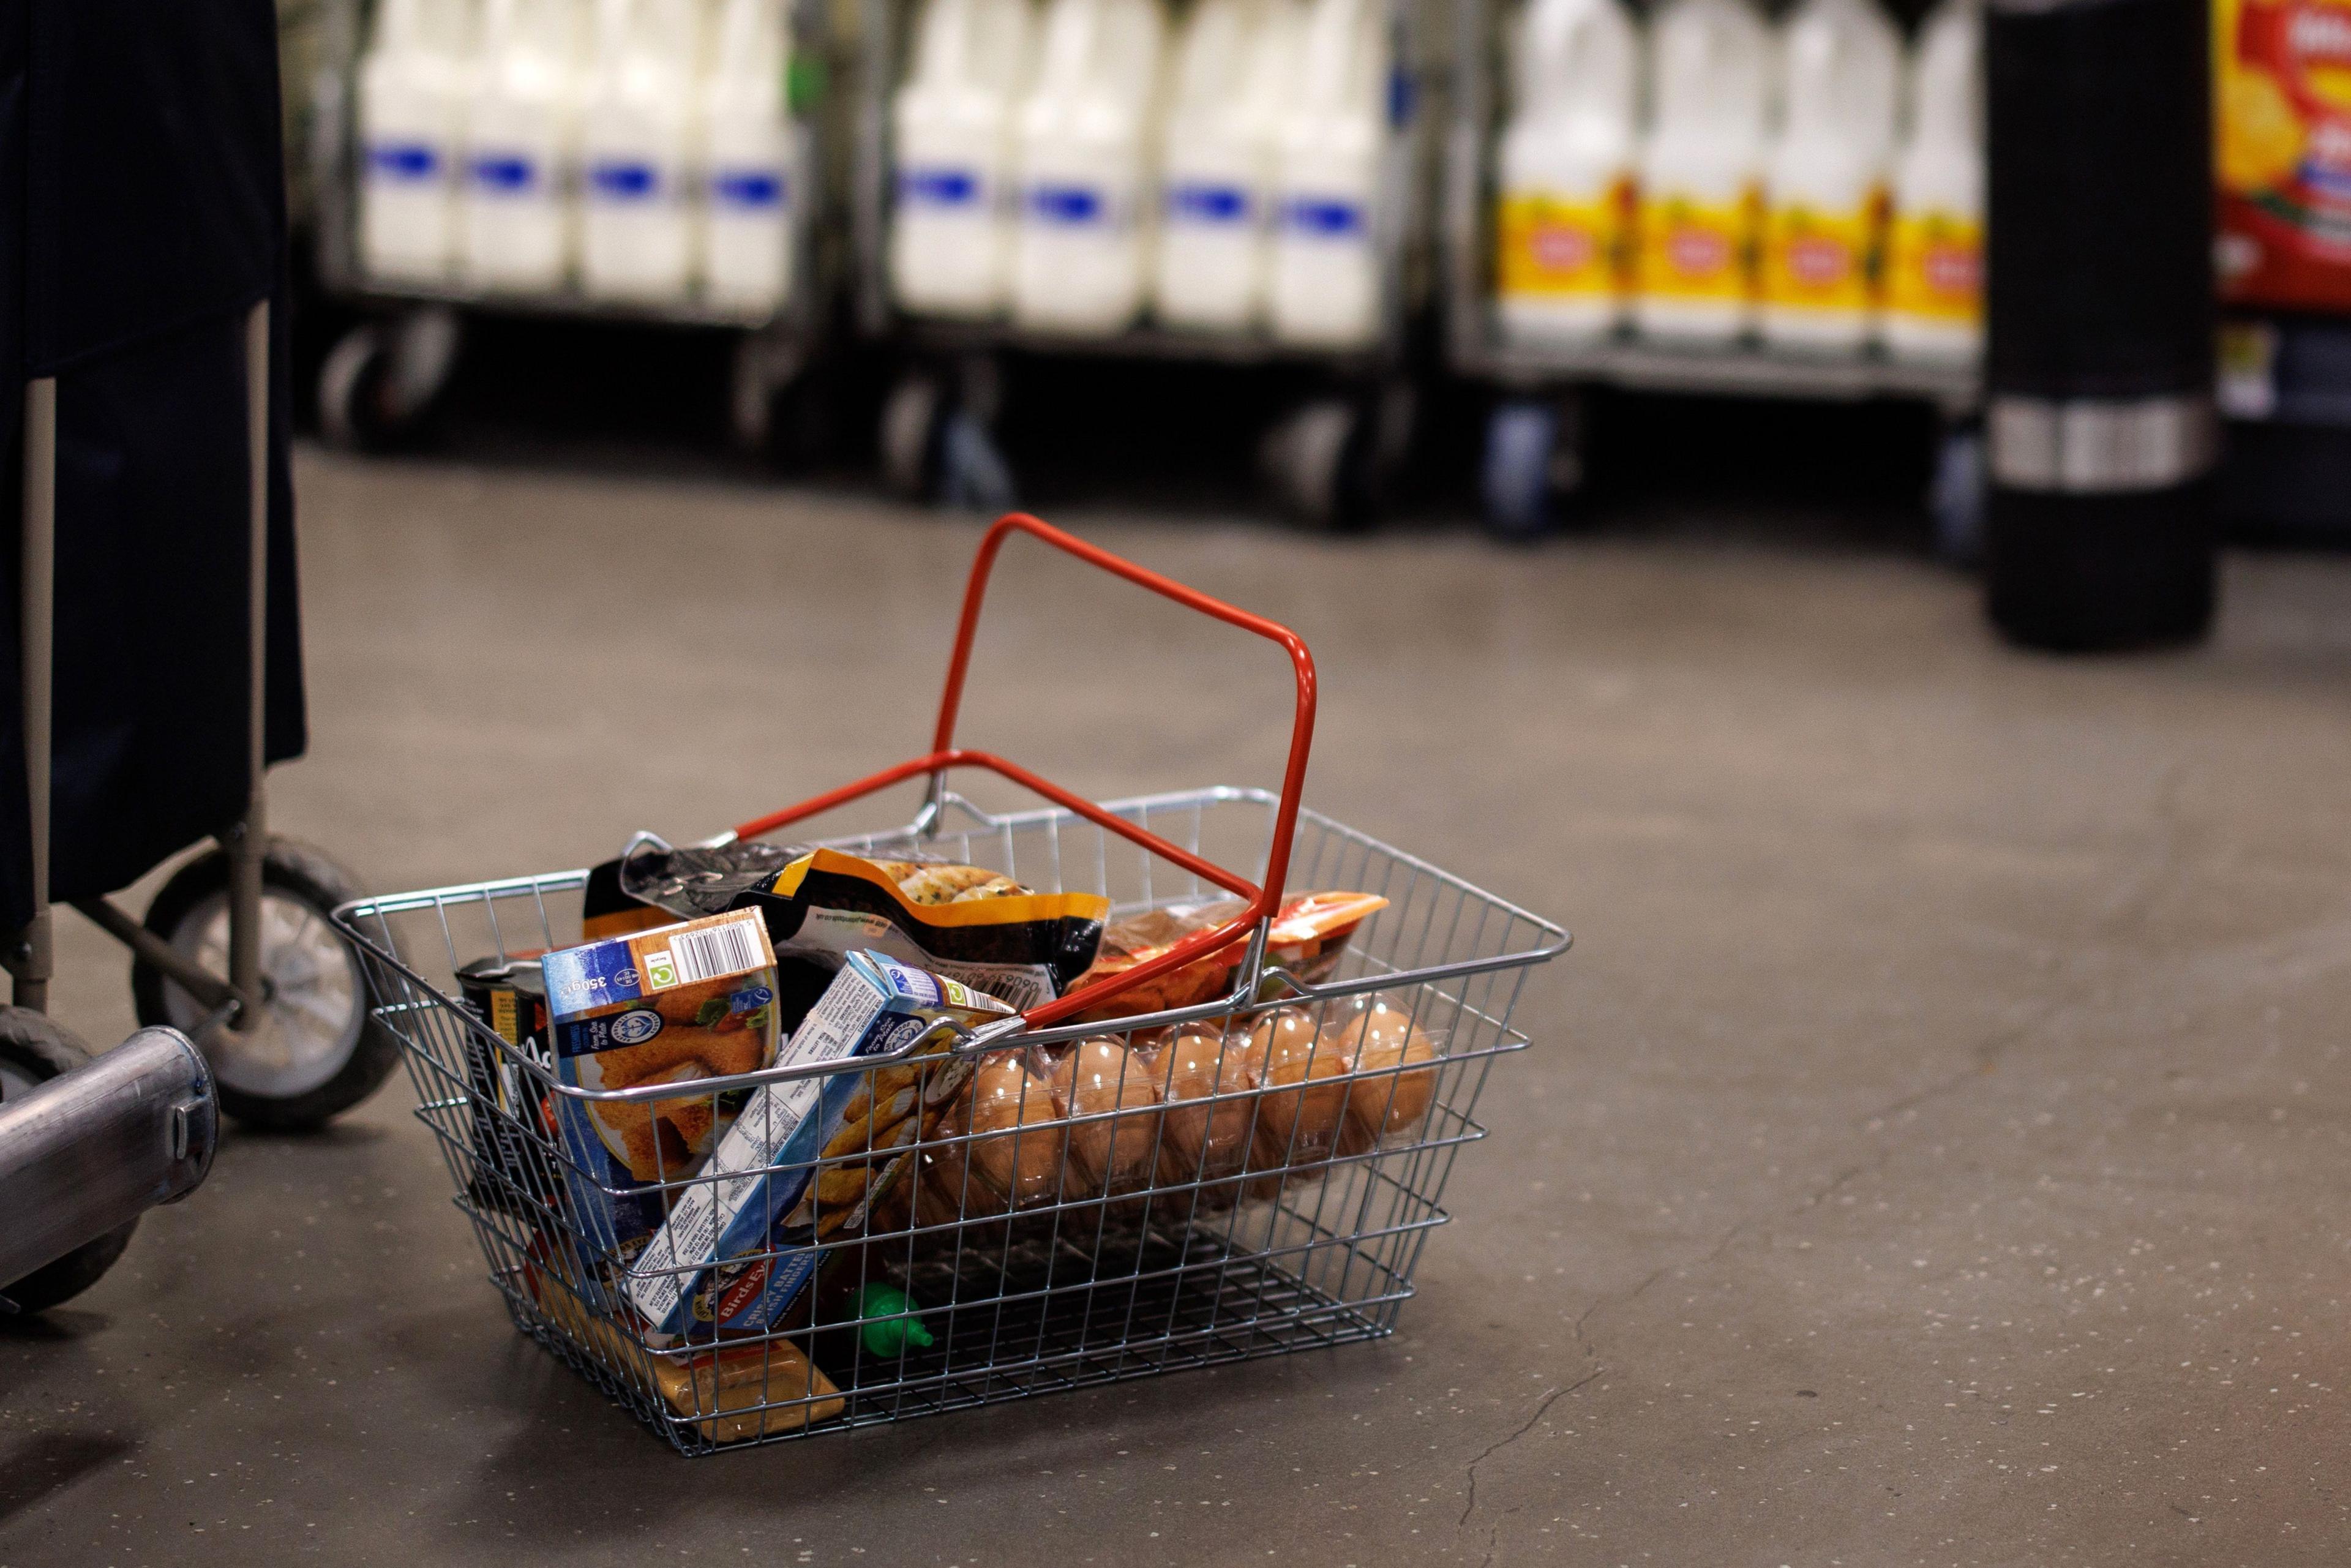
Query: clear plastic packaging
(1393,1064)
(1102,1077)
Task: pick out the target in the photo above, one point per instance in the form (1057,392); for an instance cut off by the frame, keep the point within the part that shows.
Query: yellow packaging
(1934,267)
(1697,250)
(1818,260)
(1551,247)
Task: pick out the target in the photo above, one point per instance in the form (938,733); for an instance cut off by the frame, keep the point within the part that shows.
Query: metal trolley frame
(1328,459)
(1534,438)
(385,373)
(1293,1248)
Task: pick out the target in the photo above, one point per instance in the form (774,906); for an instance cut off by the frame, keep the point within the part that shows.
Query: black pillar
(2099,318)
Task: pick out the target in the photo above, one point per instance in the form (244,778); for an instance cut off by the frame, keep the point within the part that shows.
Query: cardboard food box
(808,1157)
(678,1004)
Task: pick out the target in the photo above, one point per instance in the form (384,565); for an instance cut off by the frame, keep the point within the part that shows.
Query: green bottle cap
(889,1326)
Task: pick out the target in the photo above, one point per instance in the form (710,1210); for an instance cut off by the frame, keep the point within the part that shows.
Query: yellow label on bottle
(1551,247)
(1934,267)
(1818,260)
(1697,250)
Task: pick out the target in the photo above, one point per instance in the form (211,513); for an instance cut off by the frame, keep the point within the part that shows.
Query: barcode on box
(705,955)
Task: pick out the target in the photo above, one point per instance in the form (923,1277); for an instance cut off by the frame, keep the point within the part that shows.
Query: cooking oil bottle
(1701,171)
(750,155)
(640,135)
(521,145)
(413,87)
(1566,173)
(1934,261)
(951,150)
(1088,157)
(1232,77)
(1326,282)
(1841,68)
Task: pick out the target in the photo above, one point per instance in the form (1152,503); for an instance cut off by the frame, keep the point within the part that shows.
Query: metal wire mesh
(1171,1226)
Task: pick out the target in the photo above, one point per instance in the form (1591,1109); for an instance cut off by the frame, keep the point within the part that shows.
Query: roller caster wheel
(937,448)
(1955,498)
(316,1051)
(382,378)
(1533,460)
(1319,462)
(34,1048)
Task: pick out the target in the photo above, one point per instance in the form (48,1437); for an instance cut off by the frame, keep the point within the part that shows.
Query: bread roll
(1023,1159)
(1375,1035)
(1201,1141)
(1096,1076)
(1298,1115)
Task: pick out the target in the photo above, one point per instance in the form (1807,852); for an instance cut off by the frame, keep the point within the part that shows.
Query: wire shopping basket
(1245,1175)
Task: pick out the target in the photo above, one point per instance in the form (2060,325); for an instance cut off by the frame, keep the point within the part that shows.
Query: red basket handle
(944,755)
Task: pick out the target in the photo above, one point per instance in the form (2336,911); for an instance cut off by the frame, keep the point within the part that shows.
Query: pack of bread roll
(1101,1078)
(1393,1064)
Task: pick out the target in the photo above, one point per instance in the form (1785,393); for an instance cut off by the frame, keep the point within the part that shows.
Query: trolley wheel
(34,1048)
(913,420)
(781,405)
(318,1050)
(1533,460)
(1317,460)
(1955,497)
(381,380)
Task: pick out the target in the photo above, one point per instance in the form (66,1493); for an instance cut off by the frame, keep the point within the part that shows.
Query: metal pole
(246,839)
(33,957)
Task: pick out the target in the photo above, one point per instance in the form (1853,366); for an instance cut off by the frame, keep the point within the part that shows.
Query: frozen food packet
(808,1157)
(698,879)
(674,1005)
(966,923)
(1309,931)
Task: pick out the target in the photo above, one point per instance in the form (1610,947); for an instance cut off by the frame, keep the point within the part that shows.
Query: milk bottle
(640,130)
(1234,67)
(750,153)
(1934,260)
(1326,285)
(1086,158)
(411,116)
(1565,172)
(951,221)
(1824,185)
(1710,91)
(520,144)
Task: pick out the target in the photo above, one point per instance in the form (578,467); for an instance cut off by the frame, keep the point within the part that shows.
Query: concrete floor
(1931,1153)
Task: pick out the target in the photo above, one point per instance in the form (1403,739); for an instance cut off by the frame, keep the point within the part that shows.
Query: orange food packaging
(1309,929)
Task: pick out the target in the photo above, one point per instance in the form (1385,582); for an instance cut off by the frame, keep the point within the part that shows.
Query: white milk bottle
(750,153)
(1565,172)
(1709,91)
(640,128)
(412,86)
(1088,159)
(521,142)
(1934,256)
(1326,285)
(951,221)
(1825,184)
(1234,65)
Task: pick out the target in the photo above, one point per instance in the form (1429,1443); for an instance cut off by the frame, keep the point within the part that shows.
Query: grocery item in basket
(1018,1142)
(509,1120)
(964,922)
(1376,1036)
(1095,1077)
(798,1166)
(1299,1112)
(1209,1141)
(1308,931)
(769,1385)
(674,1005)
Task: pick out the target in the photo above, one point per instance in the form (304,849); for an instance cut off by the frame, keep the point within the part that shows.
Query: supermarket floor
(1931,1152)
